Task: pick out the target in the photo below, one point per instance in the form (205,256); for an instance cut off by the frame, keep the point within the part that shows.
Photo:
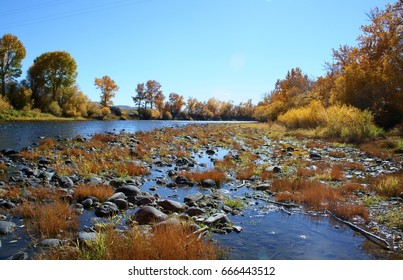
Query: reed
(102,192)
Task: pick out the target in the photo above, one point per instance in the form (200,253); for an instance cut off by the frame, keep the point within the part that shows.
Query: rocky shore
(195,175)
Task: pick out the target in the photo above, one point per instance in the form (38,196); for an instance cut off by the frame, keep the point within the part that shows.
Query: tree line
(50,86)
(368,76)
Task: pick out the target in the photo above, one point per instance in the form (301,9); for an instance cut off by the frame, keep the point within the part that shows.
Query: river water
(268,233)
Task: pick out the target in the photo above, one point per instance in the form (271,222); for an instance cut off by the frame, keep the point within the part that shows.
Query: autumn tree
(140,97)
(108,89)
(371,75)
(49,75)
(176,102)
(153,88)
(12,52)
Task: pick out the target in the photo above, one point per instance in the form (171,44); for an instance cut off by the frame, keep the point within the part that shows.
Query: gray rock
(148,214)
(217,219)
(87,236)
(122,204)
(117,183)
(263,187)
(193,198)
(141,200)
(53,242)
(209,183)
(182,180)
(117,195)
(172,206)
(6,204)
(87,203)
(182,162)
(107,209)
(129,190)
(210,152)
(66,182)
(7,227)
(194,211)
(93,181)
(20,256)
(274,169)
(171,222)
(315,156)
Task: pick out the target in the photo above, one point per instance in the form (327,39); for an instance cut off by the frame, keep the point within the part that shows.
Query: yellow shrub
(310,116)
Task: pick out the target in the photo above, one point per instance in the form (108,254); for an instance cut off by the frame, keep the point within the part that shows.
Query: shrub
(310,116)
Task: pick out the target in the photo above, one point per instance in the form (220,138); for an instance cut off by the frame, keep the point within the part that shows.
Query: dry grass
(131,169)
(12,192)
(47,143)
(245,173)
(102,192)
(350,211)
(218,176)
(104,138)
(355,166)
(225,164)
(303,172)
(164,243)
(3,166)
(337,154)
(56,219)
(388,185)
(350,188)
(337,173)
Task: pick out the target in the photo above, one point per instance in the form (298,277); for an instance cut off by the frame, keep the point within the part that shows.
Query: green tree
(12,52)
(108,89)
(49,75)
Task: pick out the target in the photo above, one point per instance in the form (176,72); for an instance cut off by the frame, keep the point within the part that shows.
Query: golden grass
(337,173)
(102,192)
(350,211)
(337,154)
(3,166)
(388,185)
(55,219)
(47,143)
(131,169)
(245,173)
(163,243)
(218,176)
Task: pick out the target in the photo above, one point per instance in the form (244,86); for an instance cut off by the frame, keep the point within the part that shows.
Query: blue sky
(229,49)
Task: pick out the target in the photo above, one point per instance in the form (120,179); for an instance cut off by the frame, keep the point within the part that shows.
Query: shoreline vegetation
(106,174)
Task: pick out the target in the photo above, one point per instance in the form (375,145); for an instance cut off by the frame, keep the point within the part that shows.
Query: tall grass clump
(310,116)
(350,123)
(162,243)
(388,185)
(341,121)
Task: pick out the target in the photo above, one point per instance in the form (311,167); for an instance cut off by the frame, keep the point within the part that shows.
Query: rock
(210,152)
(9,152)
(65,182)
(43,161)
(20,256)
(263,187)
(117,195)
(209,183)
(237,228)
(93,181)
(7,227)
(107,209)
(148,214)
(129,190)
(172,173)
(28,171)
(6,204)
(87,203)
(315,156)
(226,209)
(182,162)
(194,211)
(182,180)
(274,169)
(87,236)
(217,218)
(53,242)
(141,200)
(193,198)
(122,204)
(117,183)
(172,206)
(171,222)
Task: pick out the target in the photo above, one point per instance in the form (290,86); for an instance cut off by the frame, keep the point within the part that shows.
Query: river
(268,233)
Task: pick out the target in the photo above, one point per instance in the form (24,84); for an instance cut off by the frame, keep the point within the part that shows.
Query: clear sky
(229,49)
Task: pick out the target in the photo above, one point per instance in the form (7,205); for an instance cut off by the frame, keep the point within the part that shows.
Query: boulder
(129,190)
(209,183)
(7,227)
(53,242)
(172,206)
(107,209)
(194,211)
(315,156)
(87,236)
(182,180)
(217,219)
(148,214)
(141,200)
(193,198)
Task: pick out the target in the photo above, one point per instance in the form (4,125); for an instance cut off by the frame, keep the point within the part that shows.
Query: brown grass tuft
(337,173)
(388,185)
(163,243)
(47,143)
(218,176)
(102,192)
(348,212)
(55,219)
(131,169)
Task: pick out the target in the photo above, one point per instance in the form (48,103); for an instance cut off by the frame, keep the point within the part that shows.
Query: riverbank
(201,179)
